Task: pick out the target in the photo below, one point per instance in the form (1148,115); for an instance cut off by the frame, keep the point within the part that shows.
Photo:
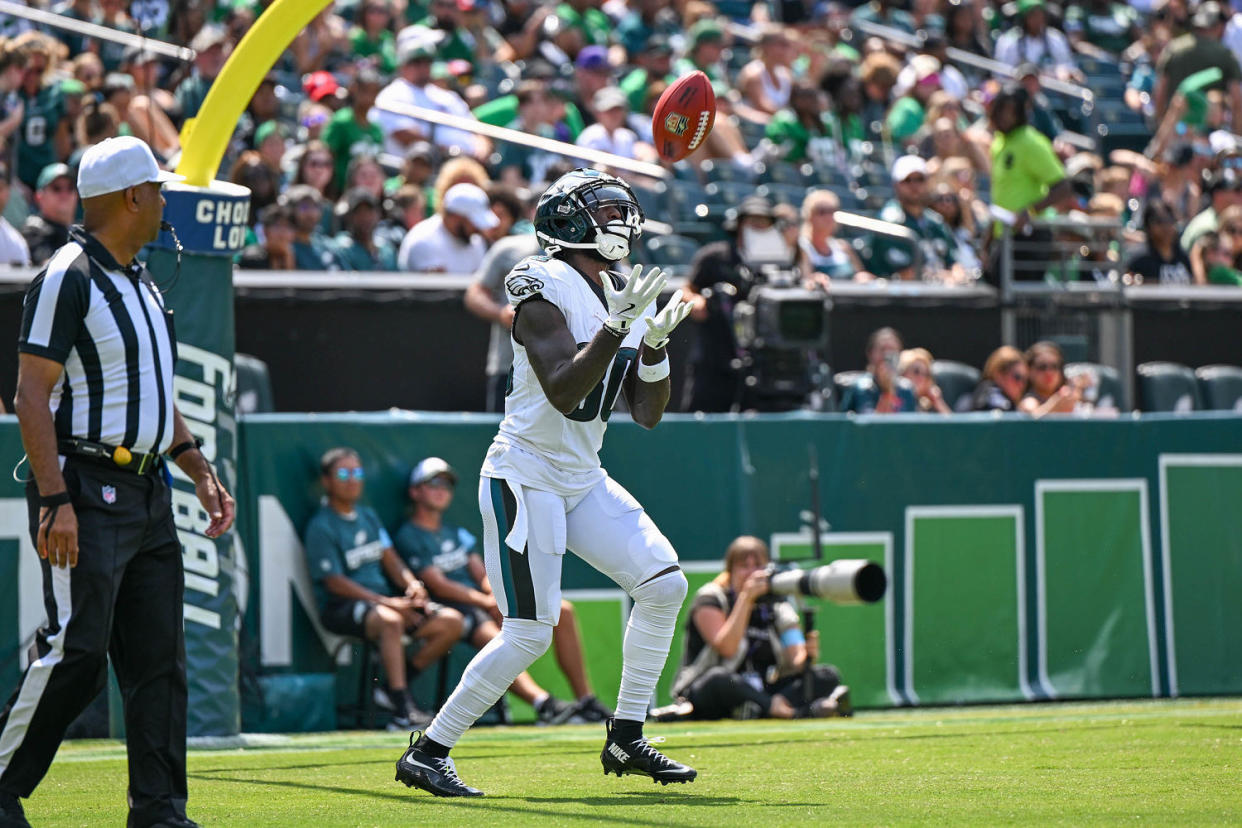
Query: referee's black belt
(118,456)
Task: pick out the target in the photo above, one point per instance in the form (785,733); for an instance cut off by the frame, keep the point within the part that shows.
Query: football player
(580,336)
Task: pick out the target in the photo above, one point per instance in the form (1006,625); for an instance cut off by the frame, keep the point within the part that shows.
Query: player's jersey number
(603,396)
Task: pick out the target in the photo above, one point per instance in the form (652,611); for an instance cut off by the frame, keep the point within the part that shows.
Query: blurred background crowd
(892,139)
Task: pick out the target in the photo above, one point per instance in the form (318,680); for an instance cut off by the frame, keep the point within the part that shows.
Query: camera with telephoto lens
(846,581)
(782,317)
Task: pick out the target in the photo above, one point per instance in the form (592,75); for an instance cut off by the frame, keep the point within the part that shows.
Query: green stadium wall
(1026,560)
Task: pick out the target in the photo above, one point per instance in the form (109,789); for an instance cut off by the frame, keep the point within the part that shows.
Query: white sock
(488,677)
(647,639)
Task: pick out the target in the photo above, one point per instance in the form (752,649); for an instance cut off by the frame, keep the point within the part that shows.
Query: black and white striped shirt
(106,323)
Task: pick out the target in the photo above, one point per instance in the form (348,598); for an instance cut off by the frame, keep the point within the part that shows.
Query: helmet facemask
(616,238)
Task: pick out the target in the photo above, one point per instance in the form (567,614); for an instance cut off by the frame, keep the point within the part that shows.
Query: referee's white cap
(118,163)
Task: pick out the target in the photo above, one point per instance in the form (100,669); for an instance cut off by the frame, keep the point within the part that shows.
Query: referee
(95,405)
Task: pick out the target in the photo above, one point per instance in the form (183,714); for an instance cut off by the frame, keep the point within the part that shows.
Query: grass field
(1158,762)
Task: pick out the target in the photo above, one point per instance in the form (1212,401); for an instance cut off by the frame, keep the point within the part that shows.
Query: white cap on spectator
(1224,142)
(908,165)
(118,163)
(431,468)
(471,201)
(610,97)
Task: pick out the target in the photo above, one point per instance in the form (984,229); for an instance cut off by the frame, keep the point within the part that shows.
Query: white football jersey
(537,444)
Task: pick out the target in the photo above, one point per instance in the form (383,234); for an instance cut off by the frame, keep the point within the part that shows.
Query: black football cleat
(417,768)
(639,757)
(591,710)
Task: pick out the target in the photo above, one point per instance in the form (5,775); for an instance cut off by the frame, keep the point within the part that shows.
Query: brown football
(683,116)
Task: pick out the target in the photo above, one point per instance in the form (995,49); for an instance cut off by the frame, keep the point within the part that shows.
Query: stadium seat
(1167,386)
(850,202)
(703,232)
(842,381)
(685,171)
(825,176)
(874,196)
(1119,127)
(653,198)
(785,193)
(752,132)
(729,193)
(1220,387)
(671,250)
(685,199)
(1093,65)
(725,170)
(1110,393)
(783,172)
(957,382)
(254,386)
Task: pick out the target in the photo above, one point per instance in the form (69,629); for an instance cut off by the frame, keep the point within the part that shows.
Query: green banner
(1026,560)
(212,223)
(1024,557)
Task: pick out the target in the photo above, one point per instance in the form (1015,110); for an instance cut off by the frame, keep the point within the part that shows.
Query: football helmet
(565,217)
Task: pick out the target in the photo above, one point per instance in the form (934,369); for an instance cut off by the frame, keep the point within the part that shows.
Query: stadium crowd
(946,120)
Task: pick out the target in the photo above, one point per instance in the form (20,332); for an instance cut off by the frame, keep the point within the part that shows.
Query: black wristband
(58,499)
(181,448)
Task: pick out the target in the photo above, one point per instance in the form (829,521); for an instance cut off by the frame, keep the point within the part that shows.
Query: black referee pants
(124,599)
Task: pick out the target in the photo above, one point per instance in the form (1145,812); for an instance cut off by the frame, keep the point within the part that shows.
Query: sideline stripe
(504,526)
(517,570)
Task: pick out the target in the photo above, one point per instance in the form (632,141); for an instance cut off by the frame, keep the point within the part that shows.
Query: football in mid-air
(683,116)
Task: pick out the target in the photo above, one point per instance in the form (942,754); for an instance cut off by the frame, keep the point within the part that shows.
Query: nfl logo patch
(109,494)
(676,123)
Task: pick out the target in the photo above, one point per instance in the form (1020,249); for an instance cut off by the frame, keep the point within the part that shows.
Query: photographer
(882,389)
(746,656)
(723,274)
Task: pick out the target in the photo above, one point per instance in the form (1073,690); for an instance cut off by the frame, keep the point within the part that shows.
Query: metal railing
(961,56)
(1044,295)
(94,30)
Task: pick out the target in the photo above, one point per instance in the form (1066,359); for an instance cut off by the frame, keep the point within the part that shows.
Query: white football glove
(633,299)
(662,324)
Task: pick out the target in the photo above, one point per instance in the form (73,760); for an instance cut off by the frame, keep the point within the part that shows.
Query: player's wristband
(653,373)
(619,328)
(58,499)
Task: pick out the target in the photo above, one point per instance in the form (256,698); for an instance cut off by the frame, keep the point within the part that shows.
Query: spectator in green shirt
(45,135)
(311,248)
(1027,179)
(1224,189)
(357,245)
(371,37)
(1198,50)
(908,112)
(210,47)
(1027,175)
(805,130)
(349,132)
(365,590)
(705,51)
(586,16)
(519,164)
(646,18)
(885,13)
(937,248)
(458,43)
(1218,260)
(653,64)
(1110,26)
